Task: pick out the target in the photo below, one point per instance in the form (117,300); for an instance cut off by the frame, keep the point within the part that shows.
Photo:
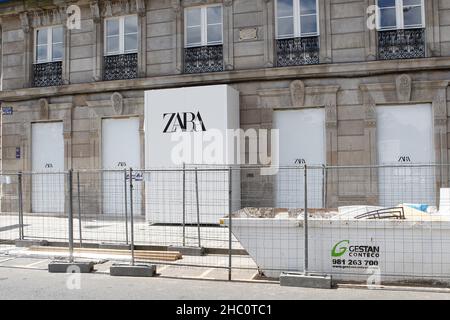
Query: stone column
(97,41)
(178,36)
(370,149)
(269,33)
(228,35)
(432,32)
(142,44)
(25,163)
(370,34)
(67,127)
(66,61)
(28,50)
(325,31)
(440,137)
(94,204)
(331,196)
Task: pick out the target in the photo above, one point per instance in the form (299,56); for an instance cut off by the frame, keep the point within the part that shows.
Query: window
(297,32)
(48,56)
(401,29)
(121,46)
(203,26)
(203,39)
(49,44)
(121,35)
(296,18)
(400,14)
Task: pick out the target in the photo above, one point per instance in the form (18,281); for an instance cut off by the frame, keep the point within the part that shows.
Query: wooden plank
(141,254)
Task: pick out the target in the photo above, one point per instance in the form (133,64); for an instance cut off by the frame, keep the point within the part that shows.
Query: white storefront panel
(302,141)
(120,151)
(189,125)
(405,137)
(47,162)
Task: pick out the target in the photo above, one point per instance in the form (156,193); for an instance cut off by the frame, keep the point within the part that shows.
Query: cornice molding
(439,84)
(341,70)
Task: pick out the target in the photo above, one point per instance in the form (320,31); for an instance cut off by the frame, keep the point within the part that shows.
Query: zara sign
(184,121)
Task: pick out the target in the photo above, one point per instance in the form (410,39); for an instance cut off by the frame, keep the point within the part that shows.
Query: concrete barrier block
(31,243)
(188,251)
(305,280)
(70,267)
(133,271)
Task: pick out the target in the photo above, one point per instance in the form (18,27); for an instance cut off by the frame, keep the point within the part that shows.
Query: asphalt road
(39,284)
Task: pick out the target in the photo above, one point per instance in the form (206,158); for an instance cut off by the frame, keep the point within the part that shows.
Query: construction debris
(408,212)
(281,213)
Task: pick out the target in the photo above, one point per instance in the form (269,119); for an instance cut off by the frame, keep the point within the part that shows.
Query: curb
(394,288)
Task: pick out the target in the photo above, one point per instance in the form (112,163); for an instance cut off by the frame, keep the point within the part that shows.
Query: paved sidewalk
(39,284)
(212,267)
(106,230)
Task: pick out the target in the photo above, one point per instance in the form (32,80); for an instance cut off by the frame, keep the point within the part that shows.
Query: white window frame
(122,50)
(49,44)
(399,17)
(297,21)
(204,26)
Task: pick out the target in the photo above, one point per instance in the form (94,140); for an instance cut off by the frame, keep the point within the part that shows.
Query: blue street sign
(7,111)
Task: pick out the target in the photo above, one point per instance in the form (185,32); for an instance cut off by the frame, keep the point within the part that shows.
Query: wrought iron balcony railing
(203,59)
(120,67)
(297,51)
(47,74)
(401,44)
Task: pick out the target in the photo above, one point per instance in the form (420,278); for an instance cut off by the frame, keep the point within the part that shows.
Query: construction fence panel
(377,223)
(44,204)
(181,210)
(11,221)
(101,207)
(381,224)
(265,219)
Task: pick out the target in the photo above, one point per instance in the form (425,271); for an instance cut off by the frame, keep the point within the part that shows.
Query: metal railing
(297,51)
(120,67)
(47,74)
(203,59)
(401,44)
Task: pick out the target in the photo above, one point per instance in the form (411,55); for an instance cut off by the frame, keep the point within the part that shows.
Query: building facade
(336,56)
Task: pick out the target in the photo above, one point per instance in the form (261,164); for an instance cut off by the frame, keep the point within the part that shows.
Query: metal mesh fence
(11,223)
(102,206)
(44,199)
(386,222)
(390,222)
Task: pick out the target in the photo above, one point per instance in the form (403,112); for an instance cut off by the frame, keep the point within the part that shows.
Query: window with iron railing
(401,29)
(48,55)
(297,31)
(121,45)
(203,39)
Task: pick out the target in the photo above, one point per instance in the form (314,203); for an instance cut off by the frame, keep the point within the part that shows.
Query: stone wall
(249,33)
(350,125)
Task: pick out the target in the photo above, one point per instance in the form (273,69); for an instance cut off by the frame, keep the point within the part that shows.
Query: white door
(120,151)
(47,163)
(405,137)
(302,141)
